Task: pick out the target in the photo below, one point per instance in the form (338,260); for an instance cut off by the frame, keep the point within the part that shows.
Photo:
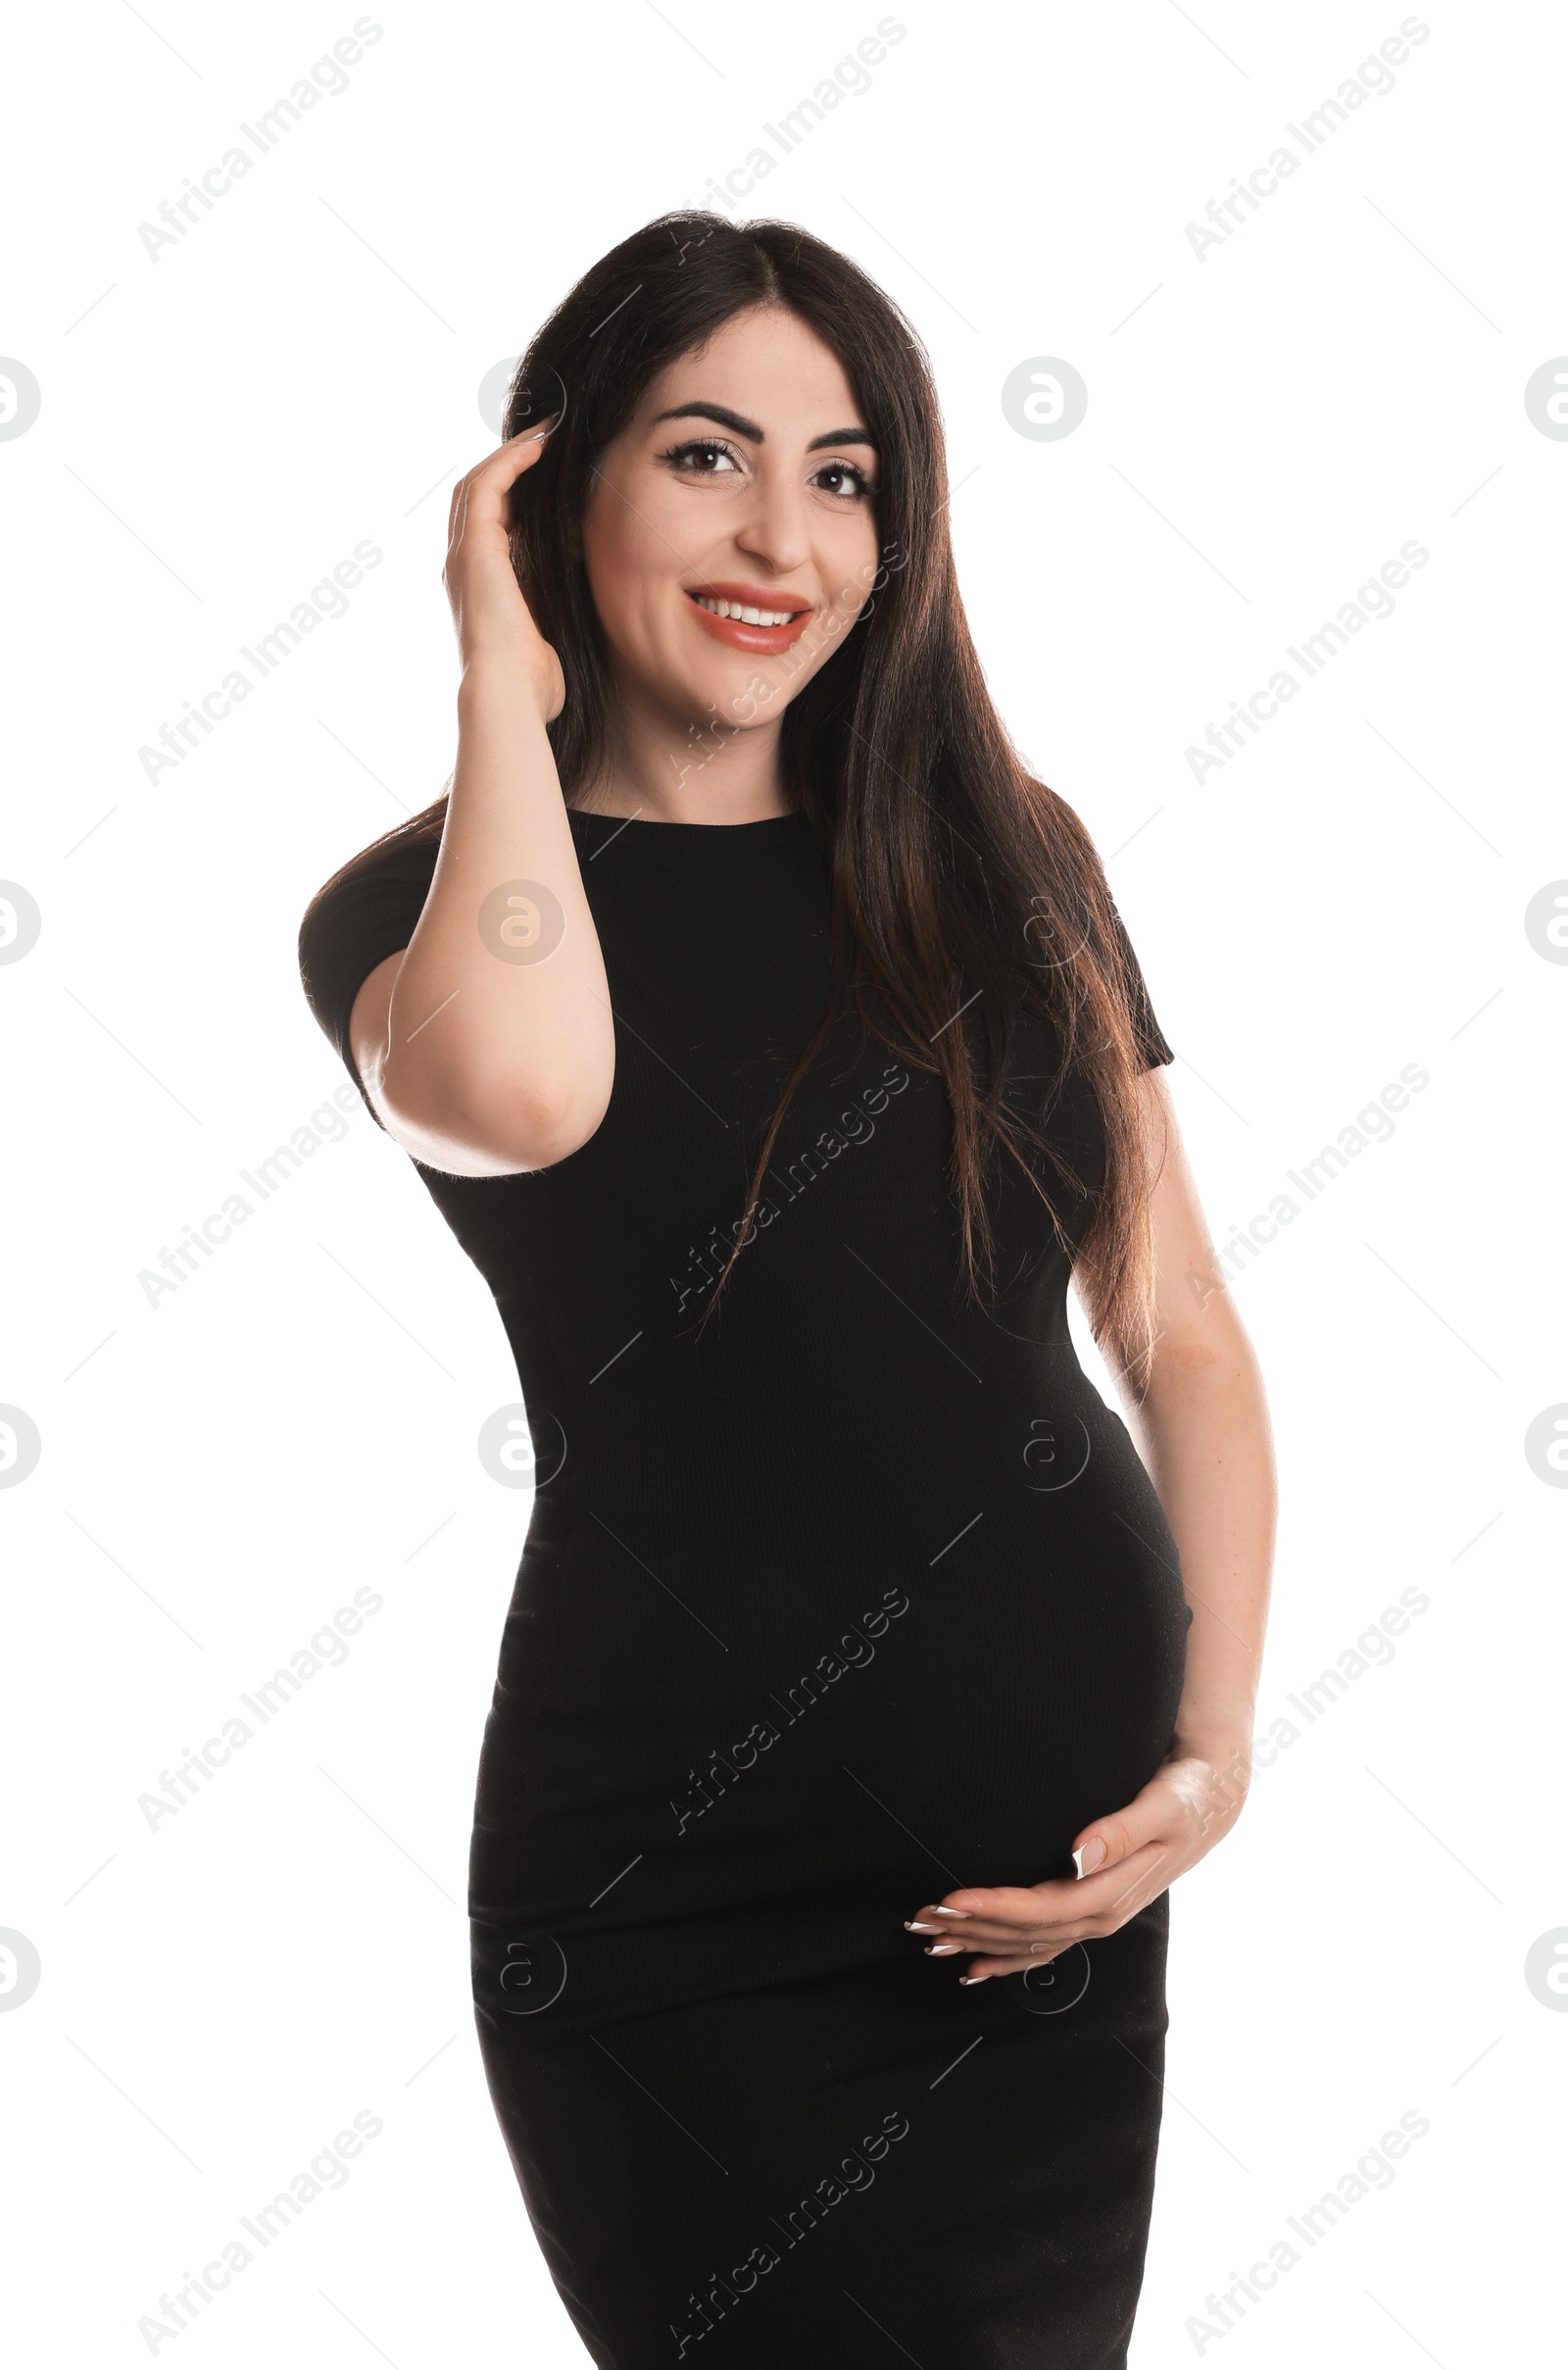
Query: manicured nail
(953,1913)
(974,1979)
(1088,1858)
(941,1950)
(909,1927)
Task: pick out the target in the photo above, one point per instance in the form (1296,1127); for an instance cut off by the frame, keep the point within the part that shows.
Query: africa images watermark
(717,2296)
(774,674)
(1375,2169)
(329,2169)
(1373,78)
(849,78)
(1373,599)
(327,600)
(1373,1125)
(1373,1650)
(326,1124)
(329,1645)
(327,79)
(810,1163)
(854,1651)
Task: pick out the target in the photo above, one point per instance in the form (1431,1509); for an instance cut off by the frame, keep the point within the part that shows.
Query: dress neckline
(648,826)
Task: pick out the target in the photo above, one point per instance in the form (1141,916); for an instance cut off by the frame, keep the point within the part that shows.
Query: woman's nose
(774,529)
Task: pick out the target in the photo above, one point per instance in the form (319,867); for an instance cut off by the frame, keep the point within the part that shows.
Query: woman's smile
(748,616)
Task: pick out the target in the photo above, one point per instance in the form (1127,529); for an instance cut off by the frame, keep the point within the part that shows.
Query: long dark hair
(964,891)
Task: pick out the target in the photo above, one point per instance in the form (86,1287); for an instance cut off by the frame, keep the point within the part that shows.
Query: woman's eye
(703,459)
(842,479)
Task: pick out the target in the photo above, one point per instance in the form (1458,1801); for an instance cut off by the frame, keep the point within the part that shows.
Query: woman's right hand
(493,619)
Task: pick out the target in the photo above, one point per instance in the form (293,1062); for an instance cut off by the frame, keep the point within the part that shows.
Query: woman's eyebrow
(725,418)
(716,412)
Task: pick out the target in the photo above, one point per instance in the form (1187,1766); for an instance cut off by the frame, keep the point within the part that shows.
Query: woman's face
(746,483)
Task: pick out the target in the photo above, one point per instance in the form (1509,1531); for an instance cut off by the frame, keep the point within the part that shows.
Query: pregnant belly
(743,1733)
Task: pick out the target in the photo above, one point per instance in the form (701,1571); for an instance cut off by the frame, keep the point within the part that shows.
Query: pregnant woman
(769,1038)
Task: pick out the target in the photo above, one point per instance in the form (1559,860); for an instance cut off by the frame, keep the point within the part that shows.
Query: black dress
(856,1594)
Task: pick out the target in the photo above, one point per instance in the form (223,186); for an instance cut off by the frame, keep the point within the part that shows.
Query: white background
(1266,426)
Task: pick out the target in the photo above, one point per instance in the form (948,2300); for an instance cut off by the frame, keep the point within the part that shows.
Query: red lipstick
(735,630)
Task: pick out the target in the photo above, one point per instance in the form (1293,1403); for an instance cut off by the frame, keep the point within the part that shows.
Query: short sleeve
(368,913)
(1154,1044)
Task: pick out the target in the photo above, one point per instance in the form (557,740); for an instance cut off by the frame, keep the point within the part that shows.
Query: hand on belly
(1124,1860)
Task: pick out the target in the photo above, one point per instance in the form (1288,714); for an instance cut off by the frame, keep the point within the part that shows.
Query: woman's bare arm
(488,1044)
(1202,1427)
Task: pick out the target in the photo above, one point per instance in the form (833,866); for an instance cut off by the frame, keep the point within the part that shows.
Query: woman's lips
(735,630)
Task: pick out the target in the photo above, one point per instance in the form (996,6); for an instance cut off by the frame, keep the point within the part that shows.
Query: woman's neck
(661,770)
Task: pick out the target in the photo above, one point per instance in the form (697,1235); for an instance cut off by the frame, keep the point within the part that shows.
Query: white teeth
(735,609)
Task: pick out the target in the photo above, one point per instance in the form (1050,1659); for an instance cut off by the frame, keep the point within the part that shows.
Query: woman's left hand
(1125,1862)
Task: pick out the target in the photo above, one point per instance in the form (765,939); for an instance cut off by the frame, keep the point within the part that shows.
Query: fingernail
(940,1950)
(1088,1858)
(953,1913)
(974,1979)
(909,1927)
